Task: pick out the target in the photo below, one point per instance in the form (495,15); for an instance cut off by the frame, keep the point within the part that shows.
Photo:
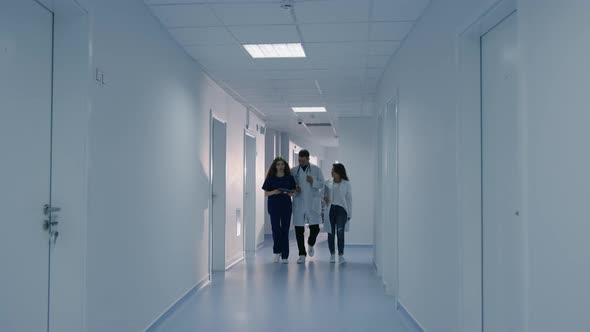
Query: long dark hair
(340,170)
(272,171)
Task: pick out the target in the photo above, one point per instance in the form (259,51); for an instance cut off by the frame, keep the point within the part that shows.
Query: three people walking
(306,186)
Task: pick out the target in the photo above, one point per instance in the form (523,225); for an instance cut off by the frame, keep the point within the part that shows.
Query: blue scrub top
(272,183)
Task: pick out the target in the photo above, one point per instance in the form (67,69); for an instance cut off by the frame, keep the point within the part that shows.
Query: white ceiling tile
(368,107)
(267,84)
(398,10)
(214,64)
(374,72)
(241,1)
(383,47)
(390,30)
(267,74)
(234,51)
(371,84)
(347,108)
(285,74)
(335,74)
(323,131)
(343,62)
(265,34)
(276,110)
(335,32)
(340,84)
(172,2)
(190,15)
(335,49)
(254,91)
(282,64)
(292,84)
(251,13)
(226,57)
(332,11)
(212,35)
(377,61)
(306,101)
(203,1)
(264,99)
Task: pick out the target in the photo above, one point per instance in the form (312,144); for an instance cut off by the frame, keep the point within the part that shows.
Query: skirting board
(234,263)
(174,306)
(408,319)
(360,246)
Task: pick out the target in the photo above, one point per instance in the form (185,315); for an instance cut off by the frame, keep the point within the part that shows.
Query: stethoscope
(307,171)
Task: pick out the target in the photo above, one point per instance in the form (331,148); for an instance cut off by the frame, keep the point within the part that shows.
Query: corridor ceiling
(348,43)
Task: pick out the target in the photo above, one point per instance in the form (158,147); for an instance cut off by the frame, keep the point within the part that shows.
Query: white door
(501,186)
(218,173)
(250,193)
(378,248)
(25,145)
(390,199)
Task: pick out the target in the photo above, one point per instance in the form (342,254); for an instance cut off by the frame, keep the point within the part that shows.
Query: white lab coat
(345,193)
(307,205)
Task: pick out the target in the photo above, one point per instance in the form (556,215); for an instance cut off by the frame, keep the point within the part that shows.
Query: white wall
(297,143)
(234,114)
(148,169)
(260,176)
(556,70)
(330,156)
(357,153)
(272,150)
(437,249)
(425,71)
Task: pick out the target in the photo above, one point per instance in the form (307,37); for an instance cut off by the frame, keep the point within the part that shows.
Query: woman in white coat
(338,197)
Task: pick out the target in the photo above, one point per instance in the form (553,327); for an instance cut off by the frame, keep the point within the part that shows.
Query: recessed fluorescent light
(258,51)
(309,109)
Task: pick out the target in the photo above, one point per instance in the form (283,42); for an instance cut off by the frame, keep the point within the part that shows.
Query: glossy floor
(258,295)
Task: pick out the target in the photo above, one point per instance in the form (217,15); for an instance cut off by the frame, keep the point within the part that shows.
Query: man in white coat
(307,203)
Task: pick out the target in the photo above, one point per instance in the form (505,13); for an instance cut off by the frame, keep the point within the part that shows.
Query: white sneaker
(341,259)
(285,261)
(276,258)
(310,251)
(301,260)
(333,259)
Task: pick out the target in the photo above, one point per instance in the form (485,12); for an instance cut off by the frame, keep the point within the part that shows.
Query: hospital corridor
(294,165)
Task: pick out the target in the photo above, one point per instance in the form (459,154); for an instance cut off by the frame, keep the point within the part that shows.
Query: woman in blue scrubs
(279,187)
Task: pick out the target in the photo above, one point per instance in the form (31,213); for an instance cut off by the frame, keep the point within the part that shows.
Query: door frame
(391,211)
(72,83)
(212,118)
(469,160)
(246,224)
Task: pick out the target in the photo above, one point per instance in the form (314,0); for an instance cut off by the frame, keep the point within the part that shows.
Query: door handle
(48,209)
(49,223)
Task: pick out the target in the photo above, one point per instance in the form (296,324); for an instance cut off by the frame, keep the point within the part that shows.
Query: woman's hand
(272,193)
(327,199)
